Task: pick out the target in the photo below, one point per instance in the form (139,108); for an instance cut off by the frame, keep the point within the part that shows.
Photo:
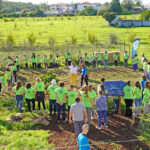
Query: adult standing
(87,100)
(60,95)
(84,75)
(77,111)
(83,141)
(125,58)
(52,100)
(40,95)
(128,97)
(73,73)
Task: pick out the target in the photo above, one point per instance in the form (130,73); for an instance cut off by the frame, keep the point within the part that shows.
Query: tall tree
(138,2)
(128,4)
(115,6)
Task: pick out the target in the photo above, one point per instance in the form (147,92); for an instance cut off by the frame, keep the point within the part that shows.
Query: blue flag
(135,46)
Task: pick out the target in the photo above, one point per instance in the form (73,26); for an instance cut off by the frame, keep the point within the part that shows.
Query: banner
(135,46)
(114,88)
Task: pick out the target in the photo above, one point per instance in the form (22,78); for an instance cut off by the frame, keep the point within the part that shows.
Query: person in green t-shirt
(66,57)
(71,94)
(137,92)
(136,60)
(60,95)
(134,64)
(86,60)
(87,101)
(99,59)
(106,55)
(79,55)
(93,92)
(51,61)
(148,71)
(52,100)
(33,60)
(146,97)
(145,67)
(46,62)
(29,96)
(17,63)
(128,97)
(40,94)
(19,92)
(26,62)
(9,78)
(39,62)
(56,62)
(115,57)
(14,70)
(93,60)
(125,58)
(69,59)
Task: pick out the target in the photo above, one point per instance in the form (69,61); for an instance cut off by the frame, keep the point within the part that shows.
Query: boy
(106,59)
(17,63)
(38,62)
(115,57)
(94,60)
(99,59)
(125,57)
(46,62)
(26,62)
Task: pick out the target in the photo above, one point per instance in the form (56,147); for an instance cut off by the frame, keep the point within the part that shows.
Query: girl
(93,92)
(46,62)
(87,101)
(73,73)
(29,96)
(40,95)
(128,97)
(134,63)
(137,92)
(51,61)
(33,59)
(146,97)
(19,91)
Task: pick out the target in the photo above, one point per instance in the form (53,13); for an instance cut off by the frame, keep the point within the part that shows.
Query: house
(139,8)
(96,6)
(147,7)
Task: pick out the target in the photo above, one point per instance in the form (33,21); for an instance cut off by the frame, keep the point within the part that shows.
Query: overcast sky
(68,1)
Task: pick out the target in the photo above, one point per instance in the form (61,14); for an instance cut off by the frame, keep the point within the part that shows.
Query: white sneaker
(106,126)
(97,127)
(92,118)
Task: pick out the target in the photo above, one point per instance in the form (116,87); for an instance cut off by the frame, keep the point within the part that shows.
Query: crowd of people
(79,102)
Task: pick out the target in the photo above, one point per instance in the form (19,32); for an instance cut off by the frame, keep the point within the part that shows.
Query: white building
(96,6)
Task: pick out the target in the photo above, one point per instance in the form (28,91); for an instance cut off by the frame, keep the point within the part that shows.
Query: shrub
(51,41)
(31,38)
(109,16)
(73,39)
(113,38)
(10,40)
(92,38)
(131,37)
(145,15)
(68,17)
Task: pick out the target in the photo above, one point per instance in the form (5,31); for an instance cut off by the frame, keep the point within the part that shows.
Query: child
(94,60)
(125,57)
(86,60)
(99,59)
(51,61)
(148,71)
(146,97)
(19,91)
(134,64)
(33,59)
(46,62)
(26,62)
(14,69)
(69,59)
(143,84)
(9,78)
(136,60)
(101,104)
(56,62)
(39,62)
(106,59)
(79,55)
(115,57)
(17,63)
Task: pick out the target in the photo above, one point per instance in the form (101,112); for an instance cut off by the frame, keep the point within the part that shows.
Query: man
(78,111)
(60,95)
(126,57)
(52,100)
(83,141)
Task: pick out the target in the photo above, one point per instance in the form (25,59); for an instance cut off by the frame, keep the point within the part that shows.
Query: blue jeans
(100,115)
(52,105)
(105,63)
(19,100)
(148,76)
(93,113)
(137,103)
(134,67)
(99,62)
(116,105)
(61,109)
(94,63)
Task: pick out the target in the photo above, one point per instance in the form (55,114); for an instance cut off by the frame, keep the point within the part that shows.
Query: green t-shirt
(3,78)
(99,57)
(71,97)
(69,57)
(45,59)
(86,58)
(105,56)
(137,93)
(39,87)
(148,68)
(86,101)
(14,68)
(17,61)
(9,61)
(115,57)
(51,89)
(57,60)
(93,58)
(126,56)
(80,55)
(66,55)
(26,60)
(38,60)
(136,60)
(133,61)
(144,65)
(128,92)
(146,95)
(19,91)
(29,93)
(8,75)
(33,59)
(51,60)
(93,94)
(61,92)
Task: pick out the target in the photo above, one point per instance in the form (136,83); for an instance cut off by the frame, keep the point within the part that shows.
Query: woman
(128,97)
(87,101)
(93,92)
(29,96)
(146,97)
(73,73)
(19,91)
(40,95)
(137,92)
(33,59)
